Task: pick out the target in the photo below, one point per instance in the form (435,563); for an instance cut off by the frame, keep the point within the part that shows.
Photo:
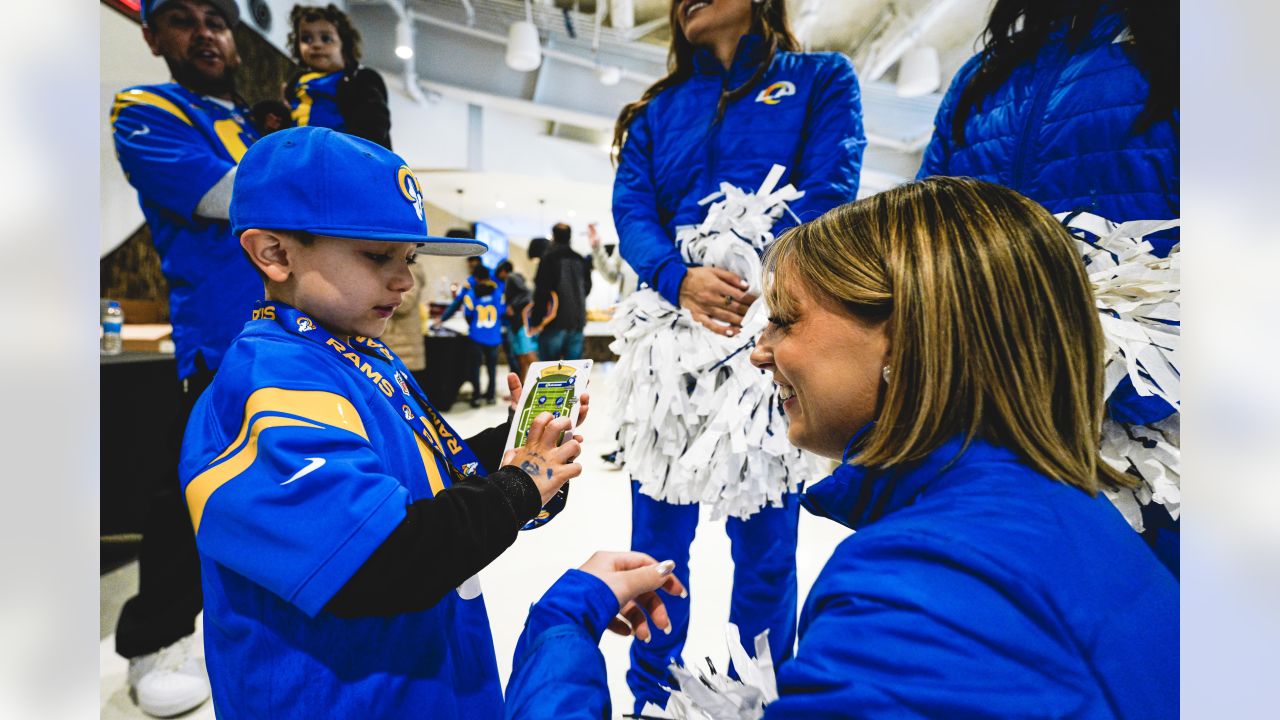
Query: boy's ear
(269,252)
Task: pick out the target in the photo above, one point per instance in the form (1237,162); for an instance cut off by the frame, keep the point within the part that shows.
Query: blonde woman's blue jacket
(973,587)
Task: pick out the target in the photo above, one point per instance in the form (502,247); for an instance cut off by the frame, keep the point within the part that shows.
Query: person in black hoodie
(560,292)
(334,90)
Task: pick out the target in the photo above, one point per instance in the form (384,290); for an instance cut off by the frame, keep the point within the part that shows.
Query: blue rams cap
(325,182)
(230,9)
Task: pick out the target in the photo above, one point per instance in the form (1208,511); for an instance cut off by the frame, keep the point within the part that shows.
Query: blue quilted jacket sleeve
(642,240)
(831,163)
(558,671)
(937,156)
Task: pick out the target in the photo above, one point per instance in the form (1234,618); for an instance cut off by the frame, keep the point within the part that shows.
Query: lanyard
(374,363)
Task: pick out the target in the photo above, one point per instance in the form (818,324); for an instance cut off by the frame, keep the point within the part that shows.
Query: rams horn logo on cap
(305,325)
(410,189)
(773,94)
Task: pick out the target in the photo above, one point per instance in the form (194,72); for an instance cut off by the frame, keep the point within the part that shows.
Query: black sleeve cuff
(520,492)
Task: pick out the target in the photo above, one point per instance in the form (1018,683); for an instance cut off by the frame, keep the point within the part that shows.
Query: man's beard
(188,76)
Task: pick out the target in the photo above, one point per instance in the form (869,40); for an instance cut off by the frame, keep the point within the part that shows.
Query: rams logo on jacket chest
(773,94)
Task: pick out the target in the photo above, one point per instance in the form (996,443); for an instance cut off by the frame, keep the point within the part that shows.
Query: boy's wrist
(521,493)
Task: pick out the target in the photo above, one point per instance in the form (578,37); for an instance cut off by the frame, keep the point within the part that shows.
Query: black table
(447,367)
(139,434)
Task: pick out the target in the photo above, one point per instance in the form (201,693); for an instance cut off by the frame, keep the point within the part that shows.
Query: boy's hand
(634,579)
(515,386)
(549,466)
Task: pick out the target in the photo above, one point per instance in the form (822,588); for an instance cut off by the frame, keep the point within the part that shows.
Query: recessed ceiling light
(500,204)
(573,213)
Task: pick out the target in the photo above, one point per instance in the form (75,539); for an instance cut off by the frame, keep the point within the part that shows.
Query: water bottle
(112,322)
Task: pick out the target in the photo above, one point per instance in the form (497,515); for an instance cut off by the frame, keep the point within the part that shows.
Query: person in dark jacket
(739,99)
(939,341)
(1074,103)
(519,347)
(335,90)
(560,290)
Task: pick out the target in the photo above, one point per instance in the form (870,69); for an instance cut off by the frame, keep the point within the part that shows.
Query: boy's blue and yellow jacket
(805,114)
(295,469)
(973,587)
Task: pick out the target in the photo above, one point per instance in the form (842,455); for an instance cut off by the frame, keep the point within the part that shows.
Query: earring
(884,373)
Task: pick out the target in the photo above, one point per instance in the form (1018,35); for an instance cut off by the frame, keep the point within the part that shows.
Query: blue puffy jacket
(805,114)
(1060,131)
(974,587)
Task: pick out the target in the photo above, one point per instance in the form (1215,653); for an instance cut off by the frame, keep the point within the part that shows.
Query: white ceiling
(460,54)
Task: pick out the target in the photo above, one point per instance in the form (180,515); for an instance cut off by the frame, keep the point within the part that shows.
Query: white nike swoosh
(143,131)
(314,463)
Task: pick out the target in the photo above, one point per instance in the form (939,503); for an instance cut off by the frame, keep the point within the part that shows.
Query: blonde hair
(992,327)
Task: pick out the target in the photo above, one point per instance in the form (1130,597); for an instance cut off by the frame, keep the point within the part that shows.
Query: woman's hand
(634,578)
(549,466)
(716,298)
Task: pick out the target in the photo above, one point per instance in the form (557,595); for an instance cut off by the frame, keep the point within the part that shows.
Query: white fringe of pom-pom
(1139,303)
(716,696)
(699,423)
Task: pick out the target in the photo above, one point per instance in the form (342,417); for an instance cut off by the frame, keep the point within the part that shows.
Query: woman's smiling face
(827,364)
(702,21)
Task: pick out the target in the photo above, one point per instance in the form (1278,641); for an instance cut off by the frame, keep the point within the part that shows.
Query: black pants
(488,355)
(169,596)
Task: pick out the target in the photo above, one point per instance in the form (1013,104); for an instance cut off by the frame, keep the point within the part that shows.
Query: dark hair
(480,272)
(263,108)
(347,32)
(561,232)
(768,18)
(537,246)
(1017,30)
(504,266)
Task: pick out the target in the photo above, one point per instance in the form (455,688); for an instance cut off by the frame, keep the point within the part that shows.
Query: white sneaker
(170,681)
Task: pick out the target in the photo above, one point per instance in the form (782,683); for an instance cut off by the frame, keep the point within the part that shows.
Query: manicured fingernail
(665,567)
(666,629)
(643,639)
(684,593)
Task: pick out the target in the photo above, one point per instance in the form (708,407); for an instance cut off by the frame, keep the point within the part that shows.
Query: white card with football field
(555,387)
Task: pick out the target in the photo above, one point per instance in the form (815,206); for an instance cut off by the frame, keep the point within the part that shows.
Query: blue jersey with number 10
(174,145)
(484,316)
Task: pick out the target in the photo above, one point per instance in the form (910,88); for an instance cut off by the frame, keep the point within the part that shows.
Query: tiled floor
(598,517)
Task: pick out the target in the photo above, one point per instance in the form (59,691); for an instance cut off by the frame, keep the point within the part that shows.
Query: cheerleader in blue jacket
(1074,103)
(739,99)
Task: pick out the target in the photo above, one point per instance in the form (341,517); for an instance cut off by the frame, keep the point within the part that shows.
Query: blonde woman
(940,341)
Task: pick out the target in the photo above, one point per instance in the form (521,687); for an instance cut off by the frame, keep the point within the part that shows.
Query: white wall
(124,60)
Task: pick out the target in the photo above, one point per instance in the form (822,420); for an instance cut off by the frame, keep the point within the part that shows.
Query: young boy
(335,511)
